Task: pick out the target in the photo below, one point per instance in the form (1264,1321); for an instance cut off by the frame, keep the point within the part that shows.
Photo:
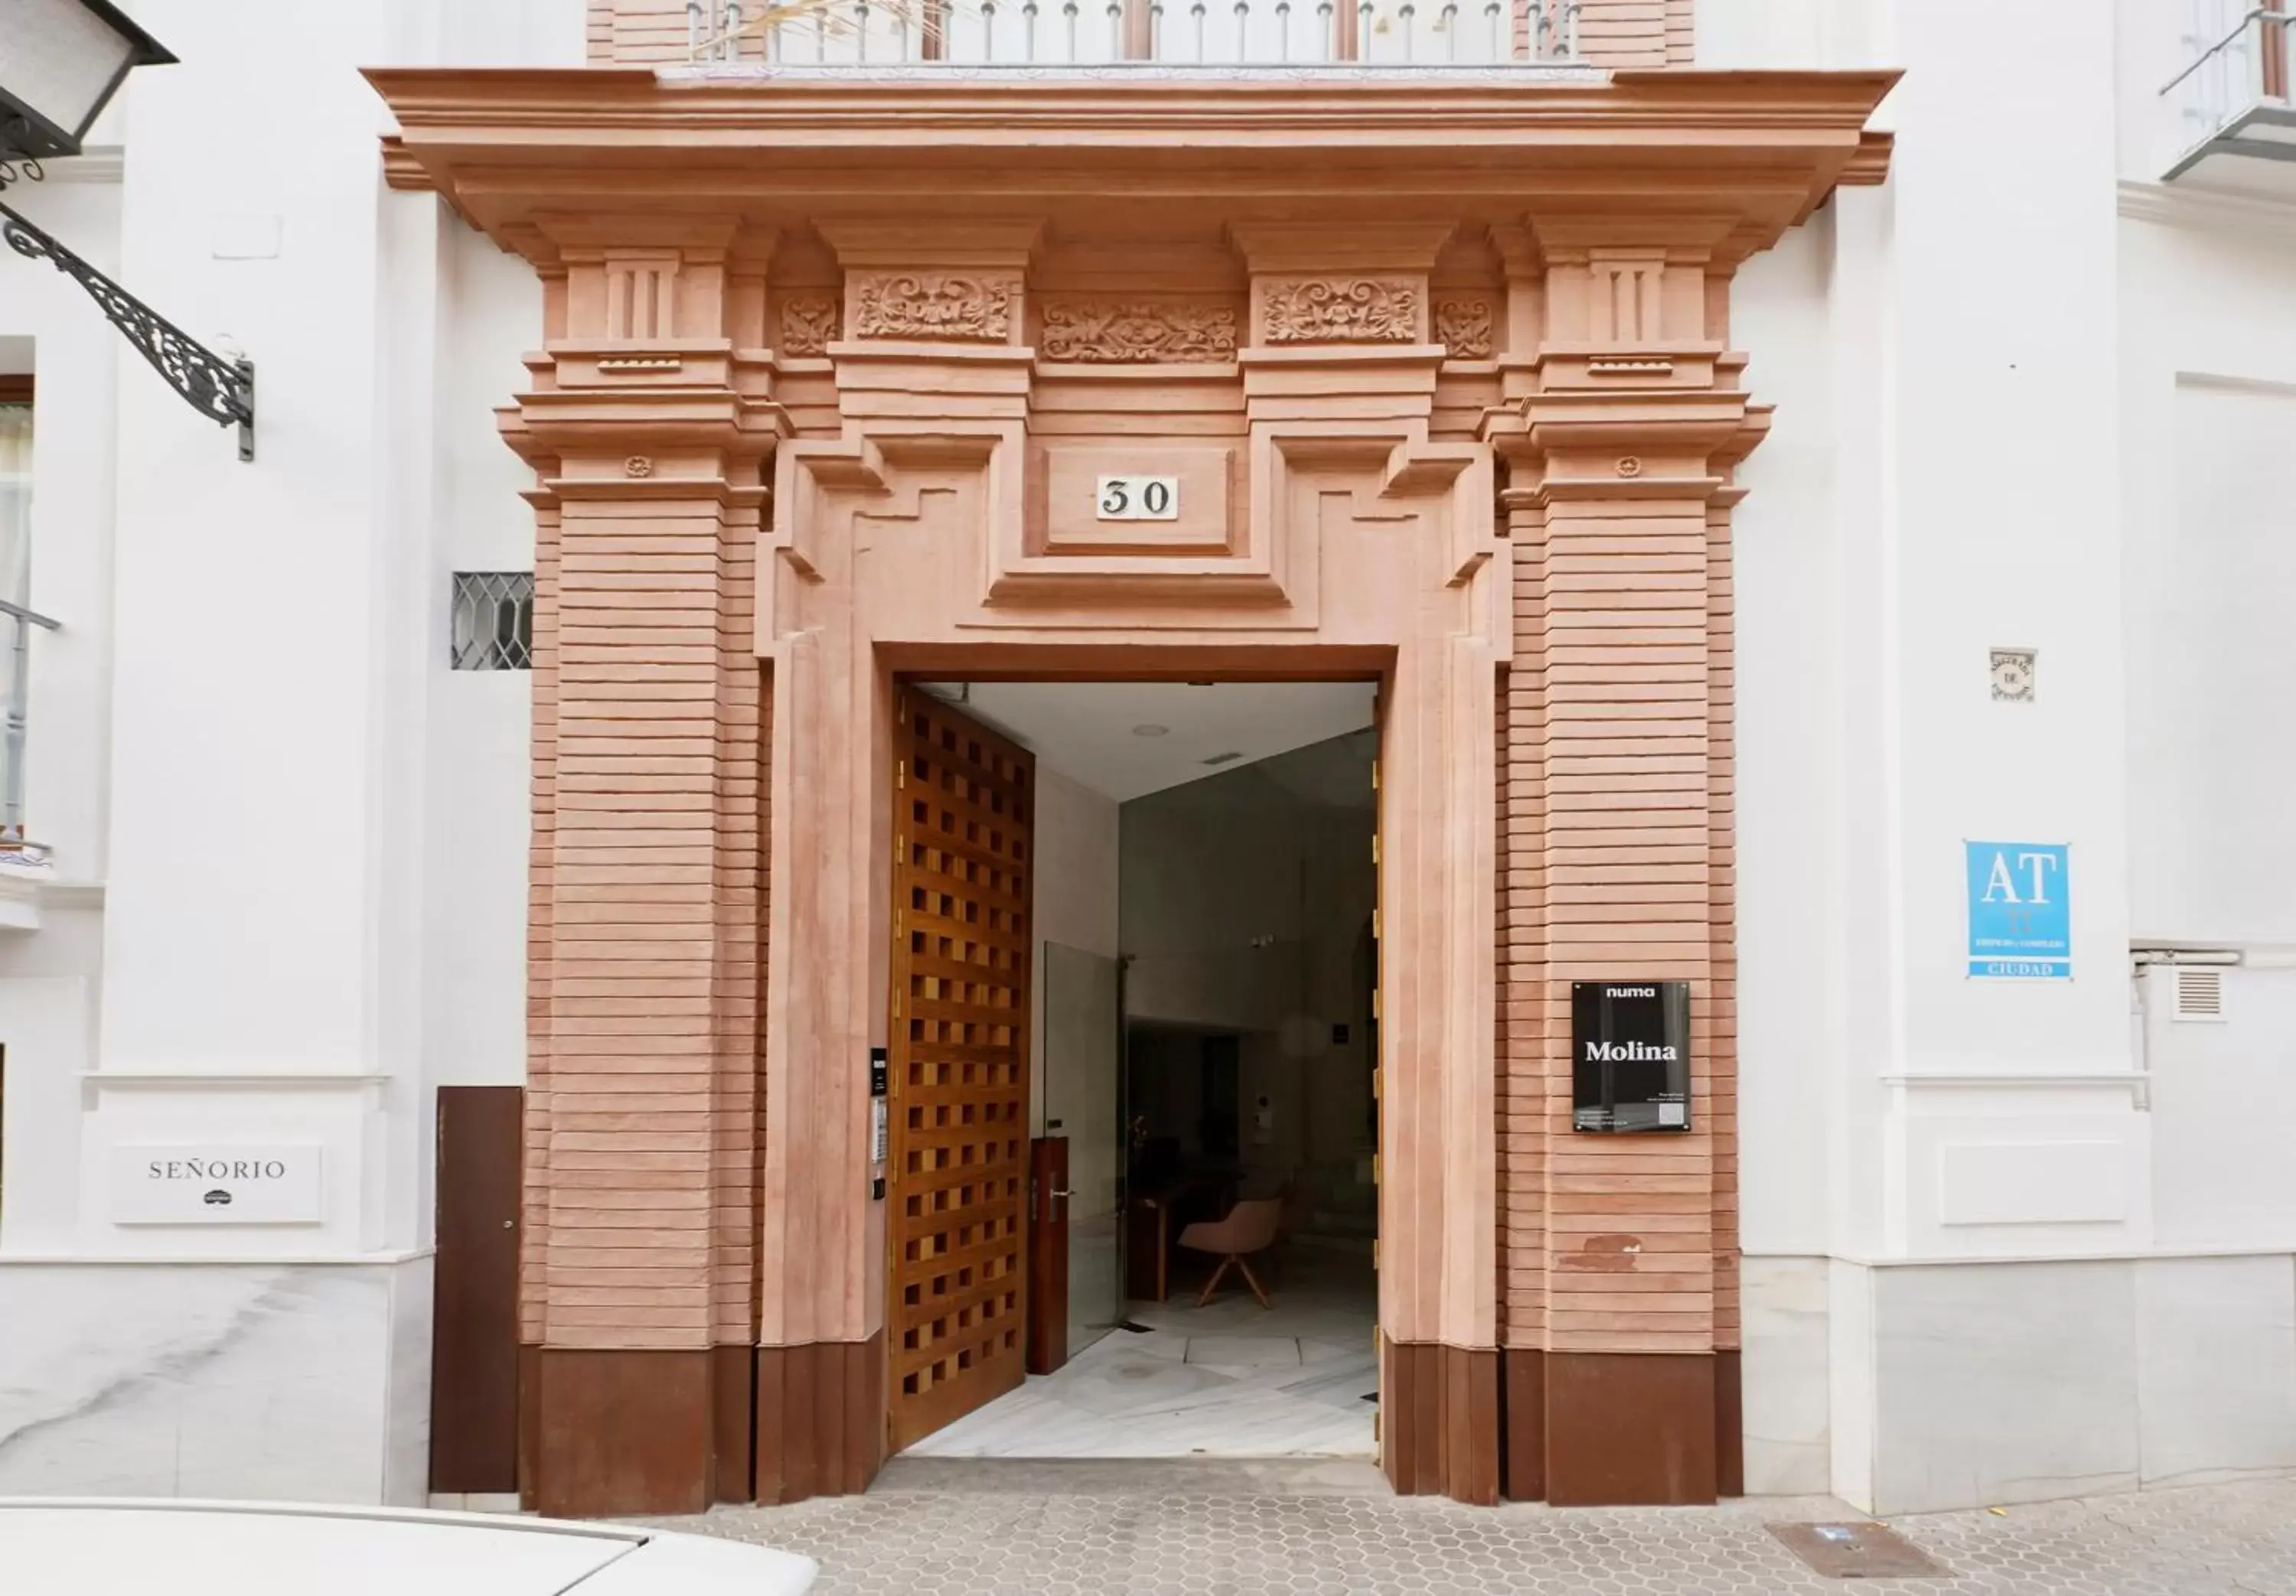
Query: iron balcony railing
(1097,33)
(11,730)
(2233,94)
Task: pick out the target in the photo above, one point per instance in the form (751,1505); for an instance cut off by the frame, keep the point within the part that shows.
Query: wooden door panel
(474,1316)
(1048,1254)
(963,805)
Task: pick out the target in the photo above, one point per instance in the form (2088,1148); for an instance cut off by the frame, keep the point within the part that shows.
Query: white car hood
(67,1548)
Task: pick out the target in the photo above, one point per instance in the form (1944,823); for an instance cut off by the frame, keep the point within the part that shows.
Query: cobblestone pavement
(1333,1529)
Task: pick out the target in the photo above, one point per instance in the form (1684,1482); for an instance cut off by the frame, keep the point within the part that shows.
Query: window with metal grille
(494,621)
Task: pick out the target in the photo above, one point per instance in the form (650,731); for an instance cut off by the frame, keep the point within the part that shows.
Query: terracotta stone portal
(1442,366)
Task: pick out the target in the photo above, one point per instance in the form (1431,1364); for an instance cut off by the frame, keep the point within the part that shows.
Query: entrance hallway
(1198,1071)
(1230,1380)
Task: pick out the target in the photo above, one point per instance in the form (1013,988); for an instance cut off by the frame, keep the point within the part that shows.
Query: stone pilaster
(641,1132)
(1621,1250)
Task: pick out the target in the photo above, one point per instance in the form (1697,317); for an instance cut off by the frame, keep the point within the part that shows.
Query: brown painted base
(621,1432)
(734,1397)
(608,1433)
(1440,1419)
(1522,1424)
(1631,1428)
(820,1419)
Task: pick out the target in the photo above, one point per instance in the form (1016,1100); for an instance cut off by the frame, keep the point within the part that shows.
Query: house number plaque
(1139,498)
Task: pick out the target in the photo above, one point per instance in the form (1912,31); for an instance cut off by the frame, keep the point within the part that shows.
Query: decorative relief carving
(1344,310)
(808,323)
(1463,328)
(1603,366)
(641,363)
(1630,465)
(638,465)
(933,305)
(1129,331)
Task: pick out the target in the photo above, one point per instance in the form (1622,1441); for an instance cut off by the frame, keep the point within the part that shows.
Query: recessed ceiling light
(1149,730)
(1223,758)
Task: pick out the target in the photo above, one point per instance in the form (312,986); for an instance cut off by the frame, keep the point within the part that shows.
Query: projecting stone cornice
(510,146)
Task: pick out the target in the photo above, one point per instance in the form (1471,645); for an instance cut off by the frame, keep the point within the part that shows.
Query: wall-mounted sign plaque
(1630,1055)
(206,1182)
(2019,917)
(1139,498)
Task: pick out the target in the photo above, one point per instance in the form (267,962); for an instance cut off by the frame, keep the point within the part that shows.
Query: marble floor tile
(1229,1380)
(1244,1352)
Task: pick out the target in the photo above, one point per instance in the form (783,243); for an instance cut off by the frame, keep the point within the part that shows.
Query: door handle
(1061,1192)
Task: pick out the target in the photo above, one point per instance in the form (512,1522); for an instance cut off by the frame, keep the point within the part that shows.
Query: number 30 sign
(1139,498)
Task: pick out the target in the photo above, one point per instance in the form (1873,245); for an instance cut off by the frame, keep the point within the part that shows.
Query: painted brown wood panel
(474,1373)
(622,1431)
(1471,1423)
(820,1419)
(1629,1430)
(1522,1465)
(1729,1426)
(733,1415)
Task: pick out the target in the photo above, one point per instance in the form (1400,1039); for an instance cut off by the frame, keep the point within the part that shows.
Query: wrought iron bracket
(222,391)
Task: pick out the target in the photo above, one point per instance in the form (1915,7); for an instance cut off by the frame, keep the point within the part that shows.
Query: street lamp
(60,63)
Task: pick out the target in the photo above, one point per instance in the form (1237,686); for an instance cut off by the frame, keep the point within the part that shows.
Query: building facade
(1780,465)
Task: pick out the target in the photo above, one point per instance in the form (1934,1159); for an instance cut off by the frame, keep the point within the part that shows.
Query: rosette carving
(1111,330)
(933,305)
(1351,310)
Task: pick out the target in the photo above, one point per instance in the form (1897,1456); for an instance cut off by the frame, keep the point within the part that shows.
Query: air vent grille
(2199,993)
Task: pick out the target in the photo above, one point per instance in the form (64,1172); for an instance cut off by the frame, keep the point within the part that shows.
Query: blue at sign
(2019,925)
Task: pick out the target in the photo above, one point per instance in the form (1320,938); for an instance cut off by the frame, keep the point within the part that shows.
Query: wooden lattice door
(959,1143)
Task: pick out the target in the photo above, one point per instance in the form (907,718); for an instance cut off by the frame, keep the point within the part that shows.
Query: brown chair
(1248,1228)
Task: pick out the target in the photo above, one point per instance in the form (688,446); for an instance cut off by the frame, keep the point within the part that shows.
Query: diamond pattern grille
(494,621)
(958,1149)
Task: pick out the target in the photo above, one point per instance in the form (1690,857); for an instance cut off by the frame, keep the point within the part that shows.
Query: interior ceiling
(1087,730)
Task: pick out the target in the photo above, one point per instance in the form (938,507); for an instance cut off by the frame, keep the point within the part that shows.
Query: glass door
(1083,1034)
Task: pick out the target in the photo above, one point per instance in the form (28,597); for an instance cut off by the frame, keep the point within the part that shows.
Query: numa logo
(1630,1053)
(1629,992)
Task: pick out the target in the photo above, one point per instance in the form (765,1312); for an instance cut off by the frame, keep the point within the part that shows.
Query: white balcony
(1138,34)
(2238,128)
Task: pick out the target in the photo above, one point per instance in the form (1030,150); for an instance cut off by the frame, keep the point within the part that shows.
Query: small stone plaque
(1855,1548)
(215,1183)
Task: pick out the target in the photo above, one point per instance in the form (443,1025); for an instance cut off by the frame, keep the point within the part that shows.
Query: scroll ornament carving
(933,305)
(1463,328)
(1111,331)
(808,323)
(1356,310)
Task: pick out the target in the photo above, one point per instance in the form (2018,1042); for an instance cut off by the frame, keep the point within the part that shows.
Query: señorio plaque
(1630,1055)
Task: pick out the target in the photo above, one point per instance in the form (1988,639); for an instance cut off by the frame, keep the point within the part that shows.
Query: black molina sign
(1630,1055)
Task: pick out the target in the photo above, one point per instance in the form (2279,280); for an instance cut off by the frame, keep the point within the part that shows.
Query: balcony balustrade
(2237,124)
(1135,33)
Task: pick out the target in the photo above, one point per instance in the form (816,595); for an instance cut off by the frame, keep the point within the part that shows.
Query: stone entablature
(1462,417)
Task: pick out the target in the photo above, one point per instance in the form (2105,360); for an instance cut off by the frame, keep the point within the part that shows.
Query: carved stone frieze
(1463,328)
(808,323)
(1114,331)
(1355,310)
(943,305)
